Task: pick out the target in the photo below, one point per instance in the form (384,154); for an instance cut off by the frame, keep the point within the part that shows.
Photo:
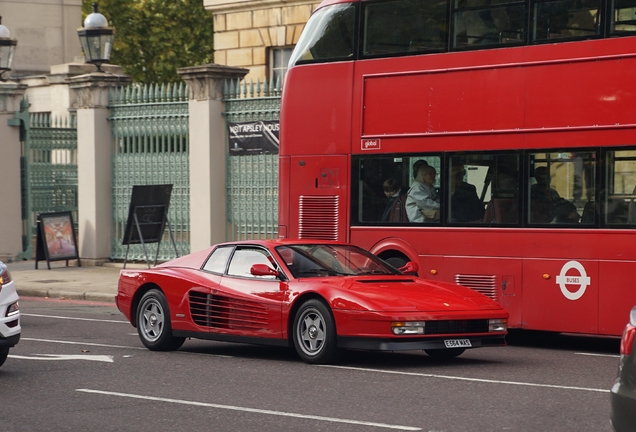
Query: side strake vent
(217,311)
(318,217)
(485,284)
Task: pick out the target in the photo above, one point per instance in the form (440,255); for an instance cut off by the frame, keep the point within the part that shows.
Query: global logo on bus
(370,144)
(582,280)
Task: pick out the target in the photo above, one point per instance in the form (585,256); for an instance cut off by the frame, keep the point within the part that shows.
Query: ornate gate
(252,180)
(149,126)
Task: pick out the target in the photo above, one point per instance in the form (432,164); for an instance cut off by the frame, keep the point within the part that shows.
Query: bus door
(561,295)
(319,195)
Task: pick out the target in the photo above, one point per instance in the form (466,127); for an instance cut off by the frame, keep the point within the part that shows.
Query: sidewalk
(94,283)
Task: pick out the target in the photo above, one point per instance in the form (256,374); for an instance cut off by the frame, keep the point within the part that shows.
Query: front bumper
(10,341)
(9,325)
(406,344)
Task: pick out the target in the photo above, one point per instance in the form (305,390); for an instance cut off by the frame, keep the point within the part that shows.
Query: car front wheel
(153,323)
(314,333)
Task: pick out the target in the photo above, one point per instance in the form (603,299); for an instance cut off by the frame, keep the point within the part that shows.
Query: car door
(249,305)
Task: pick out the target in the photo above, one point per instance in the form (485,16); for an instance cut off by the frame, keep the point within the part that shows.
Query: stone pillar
(94,158)
(11,94)
(208,151)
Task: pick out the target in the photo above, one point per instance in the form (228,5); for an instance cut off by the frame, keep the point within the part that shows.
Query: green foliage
(153,38)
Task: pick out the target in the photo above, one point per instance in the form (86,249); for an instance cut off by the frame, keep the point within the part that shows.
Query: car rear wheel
(314,333)
(445,354)
(4,352)
(153,323)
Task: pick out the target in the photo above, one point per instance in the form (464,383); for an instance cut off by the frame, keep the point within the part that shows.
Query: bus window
(623,18)
(568,19)
(495,180)
(619,206)
(328,35)
(485,22)
(423,26)
(561,188)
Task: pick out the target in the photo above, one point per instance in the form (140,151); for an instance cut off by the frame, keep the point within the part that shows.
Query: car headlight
(498,325)
(408,327)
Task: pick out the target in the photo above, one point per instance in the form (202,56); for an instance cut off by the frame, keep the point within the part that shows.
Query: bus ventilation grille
(485,284)
(318,217)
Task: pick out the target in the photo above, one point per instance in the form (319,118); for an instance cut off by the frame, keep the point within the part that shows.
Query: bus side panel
(315,113)
(497,277)
(547,285)
(318,197)
(283,195)
(617,296)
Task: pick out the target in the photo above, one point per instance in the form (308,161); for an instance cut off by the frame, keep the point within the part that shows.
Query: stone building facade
(257,35)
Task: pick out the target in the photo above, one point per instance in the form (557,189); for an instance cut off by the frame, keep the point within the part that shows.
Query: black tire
(4,352)
(397,261)
(153,323)
(445,354)
(314,333)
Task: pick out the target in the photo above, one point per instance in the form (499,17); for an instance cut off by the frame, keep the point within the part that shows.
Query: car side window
(243,260)
(217,262)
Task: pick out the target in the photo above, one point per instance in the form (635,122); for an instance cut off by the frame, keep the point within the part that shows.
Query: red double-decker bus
(491,141)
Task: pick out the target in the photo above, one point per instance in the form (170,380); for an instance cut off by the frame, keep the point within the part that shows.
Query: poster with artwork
(58,236)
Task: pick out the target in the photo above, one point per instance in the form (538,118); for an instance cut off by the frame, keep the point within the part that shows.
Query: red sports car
(316,296)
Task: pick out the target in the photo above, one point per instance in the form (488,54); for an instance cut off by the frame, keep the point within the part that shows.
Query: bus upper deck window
(481,22)
(328,35)
(565,19)
(623,16)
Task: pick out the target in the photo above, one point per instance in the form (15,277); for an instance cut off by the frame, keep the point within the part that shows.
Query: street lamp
(96,38)
(7,50)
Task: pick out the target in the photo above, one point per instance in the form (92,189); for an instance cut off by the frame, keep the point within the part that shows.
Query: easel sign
(56,239)
(148,217)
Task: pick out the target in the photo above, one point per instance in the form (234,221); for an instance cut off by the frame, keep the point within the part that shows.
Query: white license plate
(457,343)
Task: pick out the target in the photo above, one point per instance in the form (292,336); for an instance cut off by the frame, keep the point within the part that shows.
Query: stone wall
(243,30)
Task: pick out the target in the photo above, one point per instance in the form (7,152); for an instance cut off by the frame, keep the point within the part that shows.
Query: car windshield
(318,260)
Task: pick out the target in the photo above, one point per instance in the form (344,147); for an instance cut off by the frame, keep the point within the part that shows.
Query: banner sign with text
(252,138)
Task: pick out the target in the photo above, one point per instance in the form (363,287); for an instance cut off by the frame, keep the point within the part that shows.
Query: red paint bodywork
(361,309)
(563,95)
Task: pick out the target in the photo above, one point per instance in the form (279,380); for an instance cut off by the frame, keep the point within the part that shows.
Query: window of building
(278,61)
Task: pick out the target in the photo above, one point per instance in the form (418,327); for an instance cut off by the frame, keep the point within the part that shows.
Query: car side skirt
(232,338)
(393,344)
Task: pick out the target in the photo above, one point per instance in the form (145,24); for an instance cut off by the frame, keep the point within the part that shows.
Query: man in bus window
(546,203)
(422,202)
(395,210)
(465,204)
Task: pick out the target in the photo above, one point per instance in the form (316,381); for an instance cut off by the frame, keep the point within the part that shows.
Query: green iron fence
(149,126)
(252,180)
(48,169)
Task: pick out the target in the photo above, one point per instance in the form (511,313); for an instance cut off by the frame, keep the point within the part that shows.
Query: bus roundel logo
(581,280)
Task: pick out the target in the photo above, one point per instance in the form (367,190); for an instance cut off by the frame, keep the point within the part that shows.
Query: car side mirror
(263,270)
(410,268)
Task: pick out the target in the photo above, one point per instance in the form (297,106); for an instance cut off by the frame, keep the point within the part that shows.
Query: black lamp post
(96,38)
(7,49)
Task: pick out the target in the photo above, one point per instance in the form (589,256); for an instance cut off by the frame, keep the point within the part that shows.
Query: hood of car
(412,294)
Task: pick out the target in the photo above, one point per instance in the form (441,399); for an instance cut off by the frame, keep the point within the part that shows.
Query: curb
(66,295)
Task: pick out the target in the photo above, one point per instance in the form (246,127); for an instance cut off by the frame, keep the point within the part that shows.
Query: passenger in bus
(465,203)
(417,165)
(395,210)
(422,202)
(546,205)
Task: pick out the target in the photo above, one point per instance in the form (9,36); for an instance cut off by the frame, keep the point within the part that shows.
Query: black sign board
(56,238)
(252,138)
(147,217)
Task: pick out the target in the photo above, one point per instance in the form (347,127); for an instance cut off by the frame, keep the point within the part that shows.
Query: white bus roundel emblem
(582,280)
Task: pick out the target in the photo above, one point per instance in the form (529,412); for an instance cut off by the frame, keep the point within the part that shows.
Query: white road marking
(74,318)
(80,343)
(458,378)
(115,346)
(253,410)
(599,355)
(102,358)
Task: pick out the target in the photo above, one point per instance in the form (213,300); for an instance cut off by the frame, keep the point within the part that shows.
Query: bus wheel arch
(395,251)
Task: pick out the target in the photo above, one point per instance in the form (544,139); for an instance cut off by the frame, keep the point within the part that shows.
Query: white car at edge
(9,313)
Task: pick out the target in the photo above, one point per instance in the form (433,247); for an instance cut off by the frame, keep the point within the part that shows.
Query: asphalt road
(80,366)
